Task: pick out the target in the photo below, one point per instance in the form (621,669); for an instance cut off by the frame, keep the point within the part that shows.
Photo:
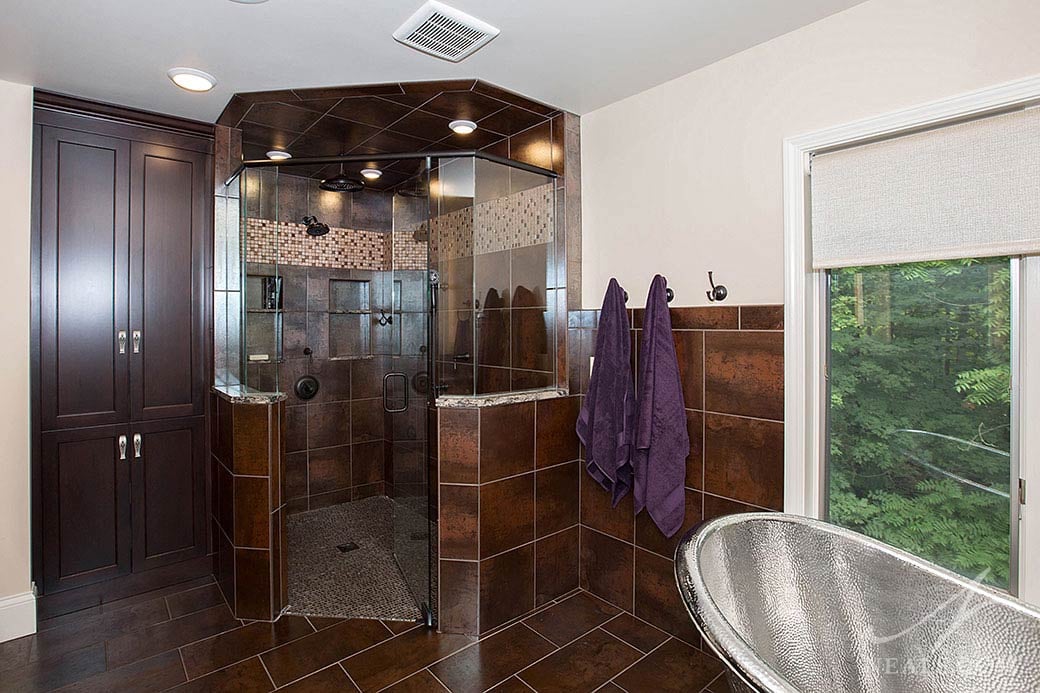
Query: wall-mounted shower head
(315,227)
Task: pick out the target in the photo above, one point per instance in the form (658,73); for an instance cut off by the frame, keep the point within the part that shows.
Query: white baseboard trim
(17,616)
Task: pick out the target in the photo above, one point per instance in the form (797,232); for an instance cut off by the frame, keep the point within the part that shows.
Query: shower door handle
(386,399)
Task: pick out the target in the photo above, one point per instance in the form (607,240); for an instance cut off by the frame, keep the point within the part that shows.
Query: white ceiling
(575,54)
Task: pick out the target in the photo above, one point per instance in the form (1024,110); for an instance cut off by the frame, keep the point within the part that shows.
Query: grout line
(520,546)
(613,679)
(430,672)
(266,671)
(347,674)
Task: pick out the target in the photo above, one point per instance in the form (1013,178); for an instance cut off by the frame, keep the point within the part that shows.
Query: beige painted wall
(686,177)
(15,176)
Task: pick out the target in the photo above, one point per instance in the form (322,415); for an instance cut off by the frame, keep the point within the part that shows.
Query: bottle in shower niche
(272,293)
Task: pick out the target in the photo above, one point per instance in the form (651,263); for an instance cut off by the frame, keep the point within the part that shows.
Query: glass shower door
(406,382)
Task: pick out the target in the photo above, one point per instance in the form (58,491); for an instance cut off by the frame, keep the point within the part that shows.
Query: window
(918,450)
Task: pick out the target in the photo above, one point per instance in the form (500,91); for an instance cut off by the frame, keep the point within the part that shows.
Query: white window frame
(805,336)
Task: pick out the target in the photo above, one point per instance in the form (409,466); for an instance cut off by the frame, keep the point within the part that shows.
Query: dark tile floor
(185,638)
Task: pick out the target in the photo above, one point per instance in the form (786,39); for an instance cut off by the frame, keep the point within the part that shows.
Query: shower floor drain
(349,546)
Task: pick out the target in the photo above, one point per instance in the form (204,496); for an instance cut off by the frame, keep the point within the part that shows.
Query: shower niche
(438,279)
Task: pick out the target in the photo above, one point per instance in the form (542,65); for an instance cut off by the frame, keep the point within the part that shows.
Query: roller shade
(966,190)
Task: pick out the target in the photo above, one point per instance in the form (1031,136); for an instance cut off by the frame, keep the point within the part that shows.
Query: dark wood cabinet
(84,211)
(168,213)
(86,506)
(123,222)
(168,491)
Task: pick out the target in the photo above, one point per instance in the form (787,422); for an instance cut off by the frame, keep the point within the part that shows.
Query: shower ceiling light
(462,127)
(249,2)
(371,173)
(278,154)
(191,79)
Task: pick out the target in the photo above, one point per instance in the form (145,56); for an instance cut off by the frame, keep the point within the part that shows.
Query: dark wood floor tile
(152,674)
(396,659)
(244,676)
(48,674)
(65,619)
(169,635)
(585,664)
(329,679)
(318,650)
(492,660)
(15,653)
(190,601)
(674,666)
(720,684)
(511,685)
(610,688)
(421,682)
(571,618)
(398,627)
(80,633)
(637,633)
(214,653)
(322,622)
(118,604)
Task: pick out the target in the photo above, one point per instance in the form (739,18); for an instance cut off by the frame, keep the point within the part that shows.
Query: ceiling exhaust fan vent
(444,32)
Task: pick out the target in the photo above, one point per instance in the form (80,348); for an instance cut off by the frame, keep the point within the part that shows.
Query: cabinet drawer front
(86,507)
(168,220)
(84,207)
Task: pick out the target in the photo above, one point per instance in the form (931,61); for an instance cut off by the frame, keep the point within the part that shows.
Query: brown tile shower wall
(247,505)
(341,443)
(731,365)
(508,511)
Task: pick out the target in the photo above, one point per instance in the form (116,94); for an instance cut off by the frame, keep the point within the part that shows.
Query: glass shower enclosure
(363,307)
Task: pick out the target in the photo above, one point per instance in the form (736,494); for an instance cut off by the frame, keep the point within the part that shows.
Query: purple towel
(605,422)
(662,442)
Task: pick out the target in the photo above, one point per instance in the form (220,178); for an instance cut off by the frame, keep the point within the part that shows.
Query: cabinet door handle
(122,447)
(137,341)
(121,337)
(137,445)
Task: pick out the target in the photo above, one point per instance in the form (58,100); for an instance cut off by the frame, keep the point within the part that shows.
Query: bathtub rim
(730,647)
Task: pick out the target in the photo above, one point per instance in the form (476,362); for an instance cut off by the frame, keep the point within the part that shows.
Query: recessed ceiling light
(278,154)
(191,79)
(371,173)
(249,2)
(462,127)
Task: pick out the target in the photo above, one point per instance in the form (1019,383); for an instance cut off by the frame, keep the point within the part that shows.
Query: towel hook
(717,293)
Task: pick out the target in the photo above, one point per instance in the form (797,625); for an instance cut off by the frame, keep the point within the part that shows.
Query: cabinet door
(85,482)
(169,488)
(84,236)
(168,219)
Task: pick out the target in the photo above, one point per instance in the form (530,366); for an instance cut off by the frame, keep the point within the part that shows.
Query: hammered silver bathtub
(792,604)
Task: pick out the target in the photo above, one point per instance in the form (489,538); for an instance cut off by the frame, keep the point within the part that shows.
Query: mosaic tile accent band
(287,243)
(518,220)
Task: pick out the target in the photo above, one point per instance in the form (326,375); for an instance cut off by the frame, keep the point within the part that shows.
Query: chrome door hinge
(1022,491)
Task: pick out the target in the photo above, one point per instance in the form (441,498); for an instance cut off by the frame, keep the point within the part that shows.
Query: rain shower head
(315,227)
(342,183)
